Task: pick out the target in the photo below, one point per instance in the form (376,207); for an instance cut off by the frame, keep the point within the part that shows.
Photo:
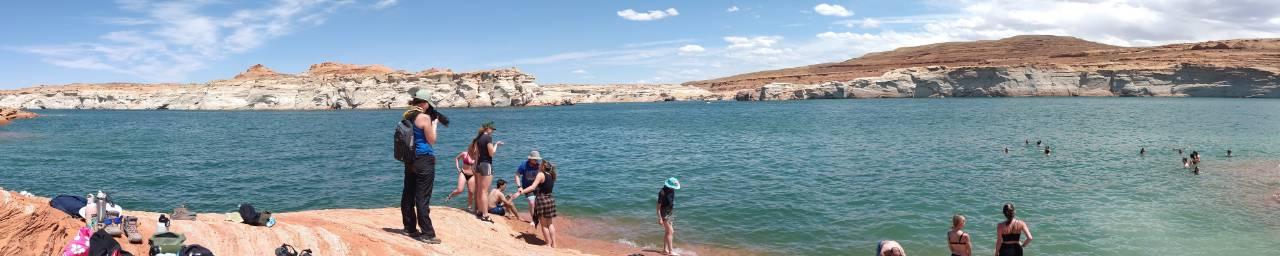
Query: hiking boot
(131,230)
(427,240)
(182,213)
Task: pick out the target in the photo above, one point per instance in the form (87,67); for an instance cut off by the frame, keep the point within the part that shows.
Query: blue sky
(58,42)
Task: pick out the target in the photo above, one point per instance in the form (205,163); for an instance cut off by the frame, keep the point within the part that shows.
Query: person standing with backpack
(420,172)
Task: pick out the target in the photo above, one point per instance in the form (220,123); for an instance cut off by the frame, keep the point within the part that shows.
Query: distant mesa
(257,71)
(1041,52)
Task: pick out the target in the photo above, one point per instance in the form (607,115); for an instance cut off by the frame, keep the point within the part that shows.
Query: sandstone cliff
(1024,81)
(1027,66)
(336,86)
(561,94)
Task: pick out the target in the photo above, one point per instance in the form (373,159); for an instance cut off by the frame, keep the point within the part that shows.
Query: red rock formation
(28,226)
(257,71)
(8,114)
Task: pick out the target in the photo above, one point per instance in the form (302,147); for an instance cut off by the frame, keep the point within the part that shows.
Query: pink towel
(78,246)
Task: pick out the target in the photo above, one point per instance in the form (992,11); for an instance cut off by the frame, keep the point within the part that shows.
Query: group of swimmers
(1009,235)
(1039,144)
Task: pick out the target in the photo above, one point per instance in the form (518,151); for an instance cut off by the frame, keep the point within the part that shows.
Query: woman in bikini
(465,162)
(957,239)
(1009,234)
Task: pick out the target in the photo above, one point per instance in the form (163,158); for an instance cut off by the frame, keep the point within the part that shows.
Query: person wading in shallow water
(1009,232)
(420,174)
(666,206)
(890,248)
(957,239)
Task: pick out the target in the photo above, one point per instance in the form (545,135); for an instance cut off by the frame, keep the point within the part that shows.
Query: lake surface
(821,177)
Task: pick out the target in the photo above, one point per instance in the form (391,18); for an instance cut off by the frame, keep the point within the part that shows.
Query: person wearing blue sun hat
(666,204)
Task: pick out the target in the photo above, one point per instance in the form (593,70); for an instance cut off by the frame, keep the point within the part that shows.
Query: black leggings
(419,179)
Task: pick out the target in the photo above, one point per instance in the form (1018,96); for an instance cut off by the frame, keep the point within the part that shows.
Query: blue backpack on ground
(403,146)
(69,204)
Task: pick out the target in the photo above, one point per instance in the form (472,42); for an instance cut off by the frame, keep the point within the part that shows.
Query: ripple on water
(797,178)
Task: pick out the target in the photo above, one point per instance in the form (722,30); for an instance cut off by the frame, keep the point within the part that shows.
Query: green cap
(488,125)
(421,93)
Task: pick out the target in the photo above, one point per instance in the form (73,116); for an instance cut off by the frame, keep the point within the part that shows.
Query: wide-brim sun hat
(421,93)
(534,155)
(672,183)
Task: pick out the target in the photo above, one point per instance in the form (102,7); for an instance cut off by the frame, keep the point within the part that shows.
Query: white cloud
(1119,22)
(691,49)
(630,14)
(171,39)
(579,72)
(870,23)
(384,4)
(656,43)
(737,42)
(832,10)
(732,9)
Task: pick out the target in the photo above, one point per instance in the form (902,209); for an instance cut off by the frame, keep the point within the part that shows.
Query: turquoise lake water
(821,177)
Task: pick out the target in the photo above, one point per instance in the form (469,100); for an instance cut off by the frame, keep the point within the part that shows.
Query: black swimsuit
(1011,246)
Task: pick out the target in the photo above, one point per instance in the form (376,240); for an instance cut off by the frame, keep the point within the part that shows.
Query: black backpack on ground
(103,244)
(195,250)
(403,147)
(251,216)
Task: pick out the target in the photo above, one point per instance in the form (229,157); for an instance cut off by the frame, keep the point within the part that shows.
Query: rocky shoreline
(1026,66)
(10,114)
(341,86)
(1030,81)
(29,226)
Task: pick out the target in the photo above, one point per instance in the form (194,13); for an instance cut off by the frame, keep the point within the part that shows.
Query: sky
(558,41)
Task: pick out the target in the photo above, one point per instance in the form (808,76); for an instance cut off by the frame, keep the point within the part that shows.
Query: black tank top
(548,184)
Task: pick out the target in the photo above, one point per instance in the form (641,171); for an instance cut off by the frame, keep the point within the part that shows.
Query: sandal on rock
(113,224)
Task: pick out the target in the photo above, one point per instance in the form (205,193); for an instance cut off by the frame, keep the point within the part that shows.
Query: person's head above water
(957,221)
(1008,212)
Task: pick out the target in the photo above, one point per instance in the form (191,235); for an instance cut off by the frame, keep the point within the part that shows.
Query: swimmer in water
(1037,143)
(1026,142)
(1006,150)
(1143,151)
(1185,164)
(1195,158)
(1228,153)
(1196,170)
(1179,151)
(1046,150)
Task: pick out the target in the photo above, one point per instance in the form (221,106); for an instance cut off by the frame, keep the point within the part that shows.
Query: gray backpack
(403,148)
